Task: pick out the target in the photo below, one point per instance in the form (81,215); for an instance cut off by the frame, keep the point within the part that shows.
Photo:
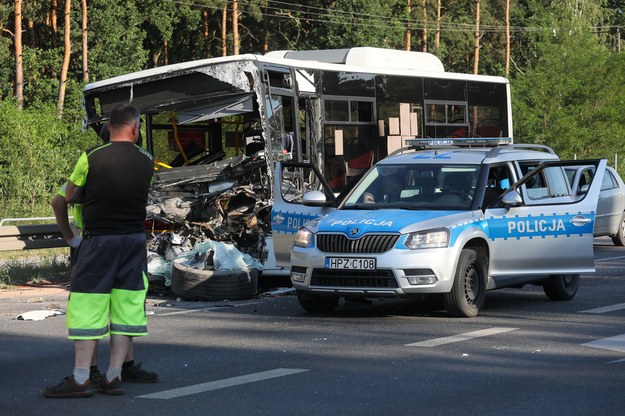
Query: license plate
(350,263)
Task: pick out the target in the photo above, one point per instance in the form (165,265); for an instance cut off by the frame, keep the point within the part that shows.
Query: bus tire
(210,285)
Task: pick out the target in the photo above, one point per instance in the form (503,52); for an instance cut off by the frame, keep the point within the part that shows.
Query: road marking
(605,309)
(211,308)
(611,258)
(461,337)
(616,343)
(221,384)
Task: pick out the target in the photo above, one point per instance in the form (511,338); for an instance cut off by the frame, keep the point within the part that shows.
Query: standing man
(109,277)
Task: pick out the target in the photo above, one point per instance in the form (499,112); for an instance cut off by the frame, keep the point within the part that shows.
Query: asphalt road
(524,355)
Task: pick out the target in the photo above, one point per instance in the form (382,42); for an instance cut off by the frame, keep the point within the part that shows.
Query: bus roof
(361,60)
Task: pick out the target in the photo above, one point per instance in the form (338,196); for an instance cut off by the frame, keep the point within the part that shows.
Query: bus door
(281,119)
(301,194)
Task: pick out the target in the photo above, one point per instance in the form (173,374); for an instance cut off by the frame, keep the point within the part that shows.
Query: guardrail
(28,237)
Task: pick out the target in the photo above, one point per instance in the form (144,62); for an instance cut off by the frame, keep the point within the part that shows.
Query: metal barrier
(27,237)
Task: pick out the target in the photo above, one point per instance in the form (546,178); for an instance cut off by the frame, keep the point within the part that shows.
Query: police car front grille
(339,243)
(353,278)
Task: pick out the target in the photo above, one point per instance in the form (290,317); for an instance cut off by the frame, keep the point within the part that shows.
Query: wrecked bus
(216,128)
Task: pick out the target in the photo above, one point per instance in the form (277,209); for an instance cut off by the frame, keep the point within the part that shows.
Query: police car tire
(213,285)
(619,238)
(315,303)
(468,292)
(560,287)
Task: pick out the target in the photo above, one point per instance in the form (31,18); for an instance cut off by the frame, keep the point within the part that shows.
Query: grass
(34,268)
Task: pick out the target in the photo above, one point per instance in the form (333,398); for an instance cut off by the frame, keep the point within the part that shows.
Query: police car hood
(359,222)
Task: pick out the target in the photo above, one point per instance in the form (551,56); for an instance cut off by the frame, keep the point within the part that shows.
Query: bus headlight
(428,239)
(303,238)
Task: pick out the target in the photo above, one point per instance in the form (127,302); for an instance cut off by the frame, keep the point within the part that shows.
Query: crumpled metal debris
(193,207)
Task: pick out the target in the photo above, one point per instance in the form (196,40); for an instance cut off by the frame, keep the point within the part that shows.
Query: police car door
(540,229)
(301,194)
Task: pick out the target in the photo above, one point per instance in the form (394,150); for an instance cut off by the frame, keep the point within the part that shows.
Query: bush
(37,153)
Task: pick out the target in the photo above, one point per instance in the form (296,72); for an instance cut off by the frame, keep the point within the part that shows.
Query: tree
(408,28)
(85,45)
(19,72)
(507,38)
(437,39)
(570,99)
(424,38)
(235,27)
(67,42)
(224,31)
(476,56)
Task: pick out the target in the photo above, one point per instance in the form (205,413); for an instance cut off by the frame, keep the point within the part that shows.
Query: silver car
(610,217)
(440,220)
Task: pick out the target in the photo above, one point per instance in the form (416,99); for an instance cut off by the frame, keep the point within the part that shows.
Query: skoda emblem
(354,231)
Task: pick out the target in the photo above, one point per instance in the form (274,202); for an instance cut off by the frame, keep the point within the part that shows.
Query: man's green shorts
(108,283)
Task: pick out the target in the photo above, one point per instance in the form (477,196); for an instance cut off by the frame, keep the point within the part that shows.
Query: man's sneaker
(136,374)
(96,377)
(68,388)
(113,388)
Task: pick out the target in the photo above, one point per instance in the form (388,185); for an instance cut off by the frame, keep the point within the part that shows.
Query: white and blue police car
(447,217)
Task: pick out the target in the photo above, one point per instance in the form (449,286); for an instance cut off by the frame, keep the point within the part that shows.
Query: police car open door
(540,228)
(301,194)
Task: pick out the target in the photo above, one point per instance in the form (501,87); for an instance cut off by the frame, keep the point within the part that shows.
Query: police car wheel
(316,303)
(468,293)
(561,286)
(619,238)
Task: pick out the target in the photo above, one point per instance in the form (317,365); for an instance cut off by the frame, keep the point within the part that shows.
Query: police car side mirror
(512,199)
(583,189)
(314,198)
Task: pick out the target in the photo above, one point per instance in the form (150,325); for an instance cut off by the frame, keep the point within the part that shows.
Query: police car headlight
(428,239)
(303,238)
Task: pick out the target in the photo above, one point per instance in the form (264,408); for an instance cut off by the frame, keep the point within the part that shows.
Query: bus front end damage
(208,213)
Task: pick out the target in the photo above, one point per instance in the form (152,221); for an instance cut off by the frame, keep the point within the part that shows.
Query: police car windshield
(415,186)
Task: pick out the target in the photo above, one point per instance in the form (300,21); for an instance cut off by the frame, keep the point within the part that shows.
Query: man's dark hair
(123,115)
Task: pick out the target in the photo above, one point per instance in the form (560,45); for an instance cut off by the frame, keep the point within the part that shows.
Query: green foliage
(115,39)
(567,81)
(329,25)
(570,99)
(37,154)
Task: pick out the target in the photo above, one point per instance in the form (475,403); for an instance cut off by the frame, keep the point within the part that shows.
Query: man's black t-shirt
(115,178)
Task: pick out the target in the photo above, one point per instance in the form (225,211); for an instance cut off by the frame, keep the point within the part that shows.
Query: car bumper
(398,273)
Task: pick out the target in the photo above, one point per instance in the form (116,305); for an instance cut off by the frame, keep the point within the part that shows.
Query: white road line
(616,343)
(212,308)
(461,337)
(221,384)
(611,258)
(605,309)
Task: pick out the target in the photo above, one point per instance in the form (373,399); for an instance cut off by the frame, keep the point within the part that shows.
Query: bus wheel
(213,285)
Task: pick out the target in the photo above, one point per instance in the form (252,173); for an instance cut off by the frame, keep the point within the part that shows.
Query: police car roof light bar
(461,142)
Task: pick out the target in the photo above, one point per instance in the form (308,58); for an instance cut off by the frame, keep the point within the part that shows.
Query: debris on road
(39,315)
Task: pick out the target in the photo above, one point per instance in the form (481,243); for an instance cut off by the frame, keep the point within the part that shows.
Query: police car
(447,217)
